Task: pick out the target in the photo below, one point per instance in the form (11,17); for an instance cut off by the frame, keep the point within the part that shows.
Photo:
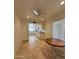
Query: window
(32,27)
(59,29)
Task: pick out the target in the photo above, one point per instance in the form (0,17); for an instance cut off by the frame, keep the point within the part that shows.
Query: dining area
(58,47)
(50,47)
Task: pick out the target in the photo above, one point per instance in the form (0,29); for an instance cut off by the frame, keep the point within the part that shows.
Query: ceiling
(48,8)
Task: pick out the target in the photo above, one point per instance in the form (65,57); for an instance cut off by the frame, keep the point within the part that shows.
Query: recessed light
(35,12)
(28,17)
(62,2)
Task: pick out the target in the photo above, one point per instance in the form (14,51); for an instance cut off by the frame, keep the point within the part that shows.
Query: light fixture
(62,2)
(28,17)
(35,12)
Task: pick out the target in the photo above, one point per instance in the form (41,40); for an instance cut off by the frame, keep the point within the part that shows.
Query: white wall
(25,31)
(20,32)
(48,29)
(17,32)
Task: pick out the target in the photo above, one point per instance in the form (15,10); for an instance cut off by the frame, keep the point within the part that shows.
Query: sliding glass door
(58,29)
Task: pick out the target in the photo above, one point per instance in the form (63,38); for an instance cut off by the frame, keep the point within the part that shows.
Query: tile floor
(38,49)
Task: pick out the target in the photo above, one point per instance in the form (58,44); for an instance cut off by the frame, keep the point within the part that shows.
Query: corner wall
(17,32)
(48,24)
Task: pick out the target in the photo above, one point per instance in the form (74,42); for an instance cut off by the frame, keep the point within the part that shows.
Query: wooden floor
(38,49)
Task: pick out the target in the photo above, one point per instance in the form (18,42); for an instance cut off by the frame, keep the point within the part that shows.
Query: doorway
(34,31)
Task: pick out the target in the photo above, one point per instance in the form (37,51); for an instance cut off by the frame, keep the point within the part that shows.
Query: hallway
(29,40)
(36,49)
